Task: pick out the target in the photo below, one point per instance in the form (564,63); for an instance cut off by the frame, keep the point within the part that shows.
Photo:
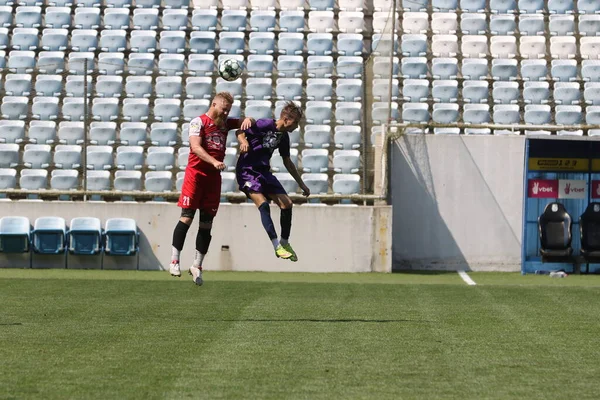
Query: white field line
(466,278)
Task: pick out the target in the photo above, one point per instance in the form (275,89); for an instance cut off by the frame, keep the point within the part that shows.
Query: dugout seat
(49,235)
(554,227)
(85,236)
(589,230)
(121,237)
(14,234)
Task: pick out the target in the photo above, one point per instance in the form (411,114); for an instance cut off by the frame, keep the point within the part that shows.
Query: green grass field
(144,335)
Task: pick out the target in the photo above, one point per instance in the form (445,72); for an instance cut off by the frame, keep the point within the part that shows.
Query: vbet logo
(572,189)
(542,188)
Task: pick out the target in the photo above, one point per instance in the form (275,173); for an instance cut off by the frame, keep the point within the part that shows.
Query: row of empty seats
(160,181)
(85,236)
(179,19)
(495,6)
(159,158)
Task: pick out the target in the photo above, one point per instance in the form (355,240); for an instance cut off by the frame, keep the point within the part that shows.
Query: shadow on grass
(345,320)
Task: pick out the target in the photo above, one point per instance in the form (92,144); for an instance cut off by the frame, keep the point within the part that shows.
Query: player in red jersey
(202,183)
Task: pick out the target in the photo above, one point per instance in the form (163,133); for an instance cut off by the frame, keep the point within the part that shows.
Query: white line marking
(466,278)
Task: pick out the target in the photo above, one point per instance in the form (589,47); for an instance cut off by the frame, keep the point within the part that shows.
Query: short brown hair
(225,96)
(292,110)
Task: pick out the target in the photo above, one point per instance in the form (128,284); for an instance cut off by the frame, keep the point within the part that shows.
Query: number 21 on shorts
(186,201)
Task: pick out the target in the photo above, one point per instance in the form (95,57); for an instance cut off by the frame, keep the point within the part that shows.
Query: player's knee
(286,203)
(186,220)
(206,220)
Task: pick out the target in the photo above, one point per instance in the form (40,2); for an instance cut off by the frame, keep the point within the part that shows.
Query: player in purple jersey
(254,175)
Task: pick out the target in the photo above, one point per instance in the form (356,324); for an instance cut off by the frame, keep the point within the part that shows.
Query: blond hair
(225,96)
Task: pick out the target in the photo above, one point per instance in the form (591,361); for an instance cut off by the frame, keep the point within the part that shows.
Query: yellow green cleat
(289,249)
(281,252)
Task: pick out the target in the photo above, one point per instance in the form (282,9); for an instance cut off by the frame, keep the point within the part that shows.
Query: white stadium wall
(326,238)
(457,202)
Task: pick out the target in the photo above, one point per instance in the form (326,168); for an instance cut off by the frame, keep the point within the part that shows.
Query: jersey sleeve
(262,126)
(284,145)
(195,127)
(233,123)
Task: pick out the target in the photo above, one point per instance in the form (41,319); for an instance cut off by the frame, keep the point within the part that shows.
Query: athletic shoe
(288,247)
(281,252)
(174,269)
(196,274)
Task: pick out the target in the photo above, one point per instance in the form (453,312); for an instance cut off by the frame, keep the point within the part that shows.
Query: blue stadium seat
(199,87)
(444,5)
(166,110)
(17,85)
(262,43)
(77,62)
(6,16)
(8,180)
(317,183)
(234,20)
(71,133)
(145,19)
(85,236)
(348,113)
(350,44)
(158,181)
(317,136)
(128,180)
(318,112)
(138,87)
(379,112)
(193,108)
(74,86)
(346,184)
(567,93)
(98,181)
(229,183)
(505,92)
(351,22)
(133,133)
(113,40)
(445,113)
(177,4)
(537,114)
(321,5)
(444,91)
(64,179)
(258,89)
(260,65)
(179,181)
(346,161)
(105,109)
(137,110)
(568,115)
(315,160)
(67,156)
(9,155)
(234,87)
(319,89)
(566,70)
(590,93)
(177,19)
(258,109)
(531,6)
(536,93)
(116,18)
(160,158)
(560,6)
(122,237)
(230,158)
(277,160)
(55,39)
(287,181)
(24,39)
(475,91)
(262,21)
(84,40)
(415,90)
(289,88)
(130,157)
(111,63)
(49,62)
(441,68)
(99,158)
(291,21)
(350,90)
(319,66)
(172,42)
(203,20)
(347,137)
(14,107)
(531,25)
(475,68)
(57,18)
(534,70)
(14,235)
(36,156)
(163,134)
(23,62)
(140,64)
(41,132)
(506,114)
(143,41)
(319,44)
(504,69)
(349,67)
(290,43)
(504,24)
(33,179)
(182,157)
(45,108)
(109,86)
(168,87)
(407,5)
(12,131)
(86,18)
(503,6)
(588,7)
(476,113)
(561,25)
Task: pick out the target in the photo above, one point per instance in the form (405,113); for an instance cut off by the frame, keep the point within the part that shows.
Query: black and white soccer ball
(230,69)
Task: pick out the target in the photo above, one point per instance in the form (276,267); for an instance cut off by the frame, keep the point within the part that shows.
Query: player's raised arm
(243,141)
(197,149)
(289,165)
(244,124)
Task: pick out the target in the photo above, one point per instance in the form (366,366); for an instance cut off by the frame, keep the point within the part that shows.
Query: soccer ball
(230,69)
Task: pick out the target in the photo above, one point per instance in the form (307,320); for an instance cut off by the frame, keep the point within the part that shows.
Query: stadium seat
(444,91)
(133,133)
(346,184)
(113,40)
(259,109)
(561,25)
(287,181)
(109,86)
(476,113)
(122,237)
(74,86)
(348,113)
(25,39)
(317,136)
(445,23)
(590,93)
(84,40)
(536,114)
(415,22)
(441,68)
(145,19)
(87,18)
(12,131)
(504,69)
(137,110)
(289,88)
(475,69)
(589,230)
(128,180)
(168,87)
(568,115)
(319,66)
(446,46)
(531,25)
(64,179)
(130,157)
(350,44)
(318,112)
(503,46)
(163,134)
(8,179)
(9,155)
(41,132)
(415,90)
(588,7)
(347,137)
(229,183)
(319,89)
(350,90)
(182,157)
(67,156)
(315,160)
(179,181)
(351,22)
(473,24)
(143,41)
(346,161)
(48,85)
(565,70)
(351,5)
(99,158)
(234,20)
(349,67)
(567,93)
(202,19)
(412,45)
(234,88)
(85,236)
(565,47)
(111,63)
(503,24)
(230,159)
(291,21)
(262,43)
(380,111)
(195,108)
(475,91)
(317,183)
(259,65)
(534,70)
(70,132)
(138,86)
(262,20)
(36,156)
(231,42)
(588,48)
(321,21)
(15,234)
(172,42)
(33,179)
(105,109)
(532,47)
(57,18)
(445,113)
(592,115)
(319,44)
(98,181)
(77,62)
(555,225)
(560,6)
(290,43)
(408,5)
(158,181)
(140,64)
(14,107)
(258,89)
(17,85)
(160,158)
(536,93)
(115,18)
(199,87)
(200,64)
(505,114)
(473,47)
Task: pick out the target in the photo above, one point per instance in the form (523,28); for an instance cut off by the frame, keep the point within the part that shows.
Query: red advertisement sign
(595,188)
(542,188)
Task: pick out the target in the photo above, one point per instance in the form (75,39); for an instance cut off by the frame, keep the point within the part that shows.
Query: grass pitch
(144,335)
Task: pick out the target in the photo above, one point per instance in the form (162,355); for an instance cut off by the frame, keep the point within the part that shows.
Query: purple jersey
(263,139)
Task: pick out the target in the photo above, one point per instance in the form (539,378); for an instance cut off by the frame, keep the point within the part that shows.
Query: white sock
(283,241)
(275,243)
(198,258)
(174,254)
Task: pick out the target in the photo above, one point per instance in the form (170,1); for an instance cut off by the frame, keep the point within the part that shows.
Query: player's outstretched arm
(243,141)
(289,165)
(197,149)
(246,123)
